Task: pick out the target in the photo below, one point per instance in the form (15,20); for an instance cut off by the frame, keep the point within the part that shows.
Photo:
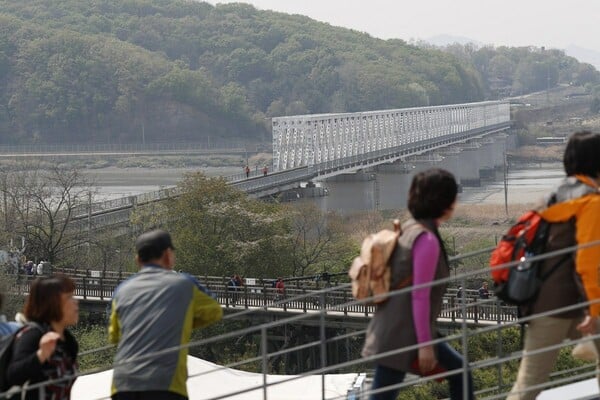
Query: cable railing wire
(364,301)
(465,333)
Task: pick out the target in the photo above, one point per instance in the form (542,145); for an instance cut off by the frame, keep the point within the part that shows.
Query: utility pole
(548,84)
(505,169)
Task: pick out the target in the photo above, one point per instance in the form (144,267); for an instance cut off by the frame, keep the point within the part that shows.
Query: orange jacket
(586,210)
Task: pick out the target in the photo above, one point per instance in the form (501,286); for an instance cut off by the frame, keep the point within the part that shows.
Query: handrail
(463,334)
(303,299)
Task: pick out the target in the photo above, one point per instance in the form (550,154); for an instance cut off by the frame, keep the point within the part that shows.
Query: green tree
(219,230)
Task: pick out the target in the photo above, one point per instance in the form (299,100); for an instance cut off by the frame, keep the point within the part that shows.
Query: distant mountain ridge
(445,40)
(105,71)
(582,54)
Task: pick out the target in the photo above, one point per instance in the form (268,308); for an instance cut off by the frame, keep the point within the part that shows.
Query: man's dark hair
(431,193)
(44,301)
(582,154)
(151,245)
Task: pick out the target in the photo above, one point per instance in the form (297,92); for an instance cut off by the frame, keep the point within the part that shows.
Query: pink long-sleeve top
(426,251)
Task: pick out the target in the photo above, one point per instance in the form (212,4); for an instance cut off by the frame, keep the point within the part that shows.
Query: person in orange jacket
(574,211)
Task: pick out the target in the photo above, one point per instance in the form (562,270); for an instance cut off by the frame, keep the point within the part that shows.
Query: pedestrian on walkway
(247,170)
(279,289)
(153,311)
(44,349)
(233,287)
(484,294)
(265,170)
(410,318)
(573,209)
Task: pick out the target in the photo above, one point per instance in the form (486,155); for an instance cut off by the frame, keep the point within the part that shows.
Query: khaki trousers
(535,369)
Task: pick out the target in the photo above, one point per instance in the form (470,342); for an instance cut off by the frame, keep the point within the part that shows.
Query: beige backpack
(371,272)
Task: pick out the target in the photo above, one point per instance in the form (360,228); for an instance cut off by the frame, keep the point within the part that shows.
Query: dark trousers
(448,358)
(149,395)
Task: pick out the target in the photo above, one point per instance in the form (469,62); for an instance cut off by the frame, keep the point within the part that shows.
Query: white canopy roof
(227,380)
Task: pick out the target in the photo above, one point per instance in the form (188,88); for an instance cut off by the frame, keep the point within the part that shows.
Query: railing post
(265,360)
(452,307)
(246,296)
(323,344)
(304,299)
(345,302)
(283,297)
(500,350)
(264,296)
(498,310)
(102,286)
(84,286)
(228,294)
(464,345)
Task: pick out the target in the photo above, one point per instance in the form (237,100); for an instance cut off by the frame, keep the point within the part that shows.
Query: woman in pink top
(410,318)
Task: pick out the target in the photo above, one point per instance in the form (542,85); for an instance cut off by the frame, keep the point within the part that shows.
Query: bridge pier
(470,160)
(499,148)
(385,186)
(487,168)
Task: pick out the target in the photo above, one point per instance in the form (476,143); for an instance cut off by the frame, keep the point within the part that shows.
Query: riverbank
(525,185)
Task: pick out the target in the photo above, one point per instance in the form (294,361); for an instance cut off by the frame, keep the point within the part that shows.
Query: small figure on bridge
(152,311)
(279,289)
(484,294)
(239,282)
(265,170)
(29,268)
(232,289)
(459,293)
(247,170)
(410,319)
(44,268)
(44,349)
(483,291)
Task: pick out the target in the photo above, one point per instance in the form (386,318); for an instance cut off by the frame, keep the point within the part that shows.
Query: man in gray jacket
(153,311)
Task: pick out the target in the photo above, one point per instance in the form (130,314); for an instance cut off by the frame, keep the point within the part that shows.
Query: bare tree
(318,240)
(41,206)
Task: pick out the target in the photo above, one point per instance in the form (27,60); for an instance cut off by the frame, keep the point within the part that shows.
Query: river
(525,185)
(114,182)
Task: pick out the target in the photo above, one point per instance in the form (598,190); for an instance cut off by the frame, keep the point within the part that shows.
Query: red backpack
(519,284)
(513,244)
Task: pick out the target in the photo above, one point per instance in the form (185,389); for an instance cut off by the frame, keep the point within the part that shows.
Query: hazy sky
(550,23)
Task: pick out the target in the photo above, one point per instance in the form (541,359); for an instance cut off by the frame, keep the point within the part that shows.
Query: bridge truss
(314,140)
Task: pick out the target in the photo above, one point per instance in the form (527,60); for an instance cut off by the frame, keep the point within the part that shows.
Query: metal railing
(464,334)
(304,297)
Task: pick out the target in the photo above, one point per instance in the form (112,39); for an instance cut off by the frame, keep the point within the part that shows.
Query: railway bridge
(325,155)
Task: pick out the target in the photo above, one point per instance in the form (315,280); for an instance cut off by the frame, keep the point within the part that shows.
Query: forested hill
(114,71)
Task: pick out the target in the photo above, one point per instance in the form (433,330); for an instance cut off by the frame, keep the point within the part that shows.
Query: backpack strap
(408,280)
(404,283)
(43,328)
